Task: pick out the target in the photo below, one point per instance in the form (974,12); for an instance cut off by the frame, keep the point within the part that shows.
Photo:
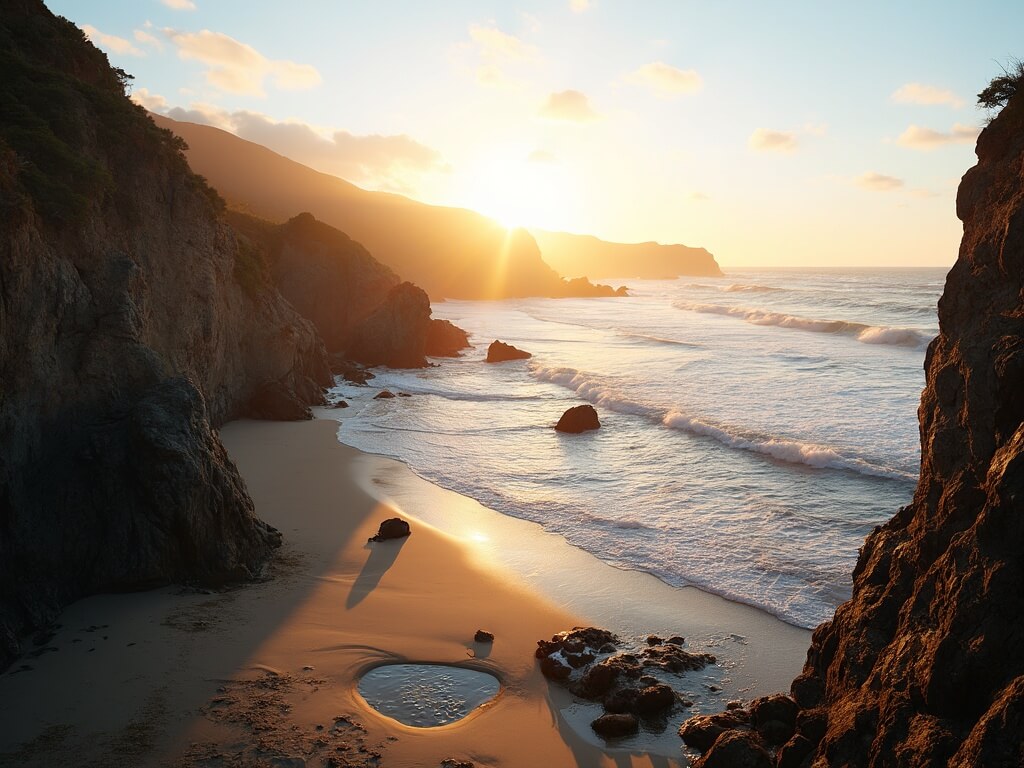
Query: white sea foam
(868,334)
(748,288)
(793,451)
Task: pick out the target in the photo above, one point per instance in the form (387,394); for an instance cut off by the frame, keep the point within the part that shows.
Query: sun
(516,191)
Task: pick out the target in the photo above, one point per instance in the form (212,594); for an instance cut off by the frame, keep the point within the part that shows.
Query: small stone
(483,636)
(616,725)
(676,640)
(392,528)
(308,668)
(340,404)
(384,394)
(734,704)
(404,394)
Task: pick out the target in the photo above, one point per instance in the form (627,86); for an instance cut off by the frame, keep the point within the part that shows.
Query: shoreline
(178,677)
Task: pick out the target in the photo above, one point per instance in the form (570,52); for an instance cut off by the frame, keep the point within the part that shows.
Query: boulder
(774,717)
(578,419)
(384,394)
(483,636)
(444,339)
(392,528)
(615,725)
(701,731)
(553,669)
(655,700)
(499,352)
(792,753)
(736,749)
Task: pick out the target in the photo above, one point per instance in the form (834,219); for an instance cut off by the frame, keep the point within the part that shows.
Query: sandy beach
(266,674)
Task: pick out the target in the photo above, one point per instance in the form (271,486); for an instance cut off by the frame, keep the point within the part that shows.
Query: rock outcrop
(362,310)
(499,352)
(923,665)
(580,418)
(444,339)
(129,329)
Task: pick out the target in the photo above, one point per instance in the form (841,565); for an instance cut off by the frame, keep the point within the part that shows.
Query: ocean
(755,427)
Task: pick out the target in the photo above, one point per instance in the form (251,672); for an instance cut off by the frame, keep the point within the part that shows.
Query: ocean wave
(603,394)
(748,288)
(862,332)
(792,451)
(661,340)
(592,388)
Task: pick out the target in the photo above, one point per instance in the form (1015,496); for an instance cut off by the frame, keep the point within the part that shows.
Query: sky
(772,134)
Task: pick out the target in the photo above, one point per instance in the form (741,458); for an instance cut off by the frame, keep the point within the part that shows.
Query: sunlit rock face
(923,666)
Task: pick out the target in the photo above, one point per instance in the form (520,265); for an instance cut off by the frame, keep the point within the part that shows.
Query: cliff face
(598,259)
(923,666)
(359,306)
(450,252)
(128,330)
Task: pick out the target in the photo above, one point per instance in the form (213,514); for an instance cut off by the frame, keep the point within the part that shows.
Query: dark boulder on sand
(483,636)
(616,725)
(499,352)
(581,418)
(392,528)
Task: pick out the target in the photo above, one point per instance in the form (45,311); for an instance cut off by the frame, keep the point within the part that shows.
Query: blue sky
(771,133)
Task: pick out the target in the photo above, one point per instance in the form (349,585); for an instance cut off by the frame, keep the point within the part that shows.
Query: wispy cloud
(917,137)
(570,106)
(180,5)
(491,53)
(664,80)
(111,42)
(147,38)
(919,93)
(236,67)
(766,140)
(395,162)
(877,182)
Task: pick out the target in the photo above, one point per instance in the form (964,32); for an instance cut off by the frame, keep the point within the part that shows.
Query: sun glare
(516,191)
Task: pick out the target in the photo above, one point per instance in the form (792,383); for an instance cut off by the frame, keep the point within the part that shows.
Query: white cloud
(180,5)
(766,140)
(666,81)
(111,42)
(918,93)
(490,54)
(877,182)
(144,37)
(917,137)
(154,102)
(239,68)
(492,41)
(570,106)
(579,6)
(394,162)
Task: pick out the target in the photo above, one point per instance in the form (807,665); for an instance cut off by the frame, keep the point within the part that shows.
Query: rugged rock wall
(924,665)
(129,327)
(354,301)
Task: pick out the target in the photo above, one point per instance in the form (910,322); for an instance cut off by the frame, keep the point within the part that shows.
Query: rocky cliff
(923,666)
(450,252)
(129,329)
(574,255)
(360,307)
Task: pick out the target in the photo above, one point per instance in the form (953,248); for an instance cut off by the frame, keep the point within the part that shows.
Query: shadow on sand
(382,556)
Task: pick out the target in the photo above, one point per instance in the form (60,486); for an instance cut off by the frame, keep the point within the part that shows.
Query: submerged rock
(499,352)
(580,418)
(392,528)
(384,394)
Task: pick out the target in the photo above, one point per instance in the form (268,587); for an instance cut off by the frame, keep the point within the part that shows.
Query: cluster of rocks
(771,732)
(589,662)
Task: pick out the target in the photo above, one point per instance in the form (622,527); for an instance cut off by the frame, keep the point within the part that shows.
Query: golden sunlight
(516,190)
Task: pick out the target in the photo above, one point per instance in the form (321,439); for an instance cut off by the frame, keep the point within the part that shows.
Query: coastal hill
(135,320)
(574,255)
(450,252)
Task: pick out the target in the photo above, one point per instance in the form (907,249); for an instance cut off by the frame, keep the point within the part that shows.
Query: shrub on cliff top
(1003,87)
